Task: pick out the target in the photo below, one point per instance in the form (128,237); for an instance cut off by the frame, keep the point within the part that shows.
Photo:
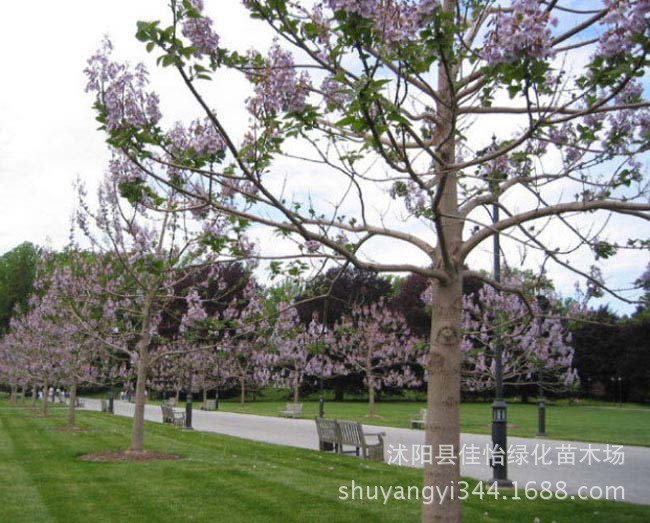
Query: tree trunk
(205,389)
(372,410)
(242,384)
(339,391)
(178,396)
(444,359)
(34,395)
(46,397)
(296,389)
(137,435)
(14,392)
(443,398)
(72,408)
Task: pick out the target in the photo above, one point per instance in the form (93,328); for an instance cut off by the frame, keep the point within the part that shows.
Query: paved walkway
(633,474)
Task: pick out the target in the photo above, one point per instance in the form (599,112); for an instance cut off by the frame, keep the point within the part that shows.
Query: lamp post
(216,393)
(321,399)
(188,403)
(499,406)
(543,305)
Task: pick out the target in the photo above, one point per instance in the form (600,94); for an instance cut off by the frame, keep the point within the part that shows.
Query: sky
(48,135)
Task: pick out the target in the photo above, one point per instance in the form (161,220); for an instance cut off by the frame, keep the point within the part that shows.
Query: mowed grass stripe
(21,499)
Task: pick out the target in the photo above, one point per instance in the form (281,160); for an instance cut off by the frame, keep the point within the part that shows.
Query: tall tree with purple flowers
(393,97)
(244,343)
(376,343)
(298,351)
(147,247)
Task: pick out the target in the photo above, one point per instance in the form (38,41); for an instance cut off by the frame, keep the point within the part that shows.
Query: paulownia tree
(145,252)
(393,98)
(376,343)
(244,343)
(40,341)
(11,371)
(299,351)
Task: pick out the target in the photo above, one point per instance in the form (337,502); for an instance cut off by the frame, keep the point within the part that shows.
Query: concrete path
(633,474)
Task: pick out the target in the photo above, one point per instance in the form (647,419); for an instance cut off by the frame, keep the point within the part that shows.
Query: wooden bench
(419,423)
(292,410)
(327,434)
(351,433)
(335,434)
(171,416)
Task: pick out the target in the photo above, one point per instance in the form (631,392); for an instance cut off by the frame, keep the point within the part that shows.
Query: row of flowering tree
(45,349)
(241,344)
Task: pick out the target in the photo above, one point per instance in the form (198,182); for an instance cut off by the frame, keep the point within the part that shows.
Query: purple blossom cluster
(616,131)
(415,198)
(124,170)
(523,32)
(195,313)
(627,126)
(312,246)
(278,86)
(200,33)
(122,91)
(334,92)
(628,22)
(322,25)
(563,137)
(395,21)
(200,135)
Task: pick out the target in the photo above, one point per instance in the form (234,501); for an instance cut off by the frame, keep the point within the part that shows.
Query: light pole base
(501,483)
(541,435)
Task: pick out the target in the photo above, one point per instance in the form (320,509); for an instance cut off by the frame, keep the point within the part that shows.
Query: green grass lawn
(219,478)
(593,423)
